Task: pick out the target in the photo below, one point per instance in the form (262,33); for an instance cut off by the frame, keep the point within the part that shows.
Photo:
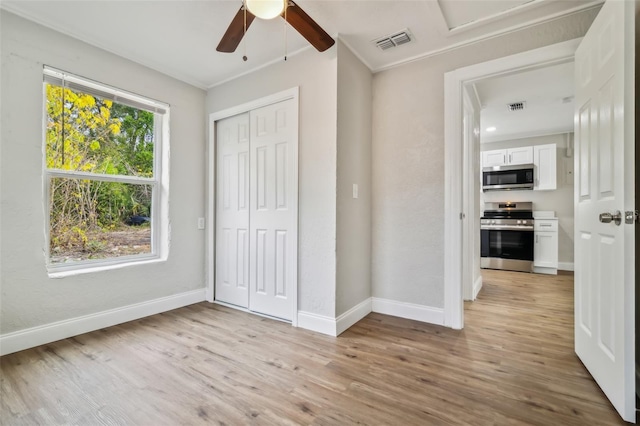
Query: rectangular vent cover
(394,40)
(516,106)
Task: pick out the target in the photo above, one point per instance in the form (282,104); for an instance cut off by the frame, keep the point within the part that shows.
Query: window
(105,153)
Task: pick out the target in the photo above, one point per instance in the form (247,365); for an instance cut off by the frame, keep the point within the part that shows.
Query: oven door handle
(506,228)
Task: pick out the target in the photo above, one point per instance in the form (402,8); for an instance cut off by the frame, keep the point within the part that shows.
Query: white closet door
(232,211)
(274,209)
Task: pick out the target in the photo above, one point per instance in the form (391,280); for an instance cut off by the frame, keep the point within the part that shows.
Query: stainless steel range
(506,240)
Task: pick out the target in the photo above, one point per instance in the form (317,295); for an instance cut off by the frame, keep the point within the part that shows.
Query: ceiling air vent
(400,38)
(385,44)
(393,40)
(516,106)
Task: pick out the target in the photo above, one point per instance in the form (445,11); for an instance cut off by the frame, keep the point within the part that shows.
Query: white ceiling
(548,93)
(179,37)
(460,12)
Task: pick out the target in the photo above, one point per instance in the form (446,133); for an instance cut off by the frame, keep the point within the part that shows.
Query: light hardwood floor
(206,364)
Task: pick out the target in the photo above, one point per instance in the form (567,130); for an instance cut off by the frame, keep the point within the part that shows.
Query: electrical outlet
(201,223)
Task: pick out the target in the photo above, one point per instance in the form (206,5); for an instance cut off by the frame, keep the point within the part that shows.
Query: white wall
(316,75)
(29,297)
(560,200)
(408,160)
(353,254)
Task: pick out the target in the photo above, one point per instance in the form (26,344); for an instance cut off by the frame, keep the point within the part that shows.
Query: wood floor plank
(512,364)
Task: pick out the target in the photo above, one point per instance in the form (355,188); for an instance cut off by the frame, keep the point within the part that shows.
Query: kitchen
(527,170)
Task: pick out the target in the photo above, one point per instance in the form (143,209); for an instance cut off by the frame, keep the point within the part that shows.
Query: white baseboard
(334,326)
(40,335)
(477,286)
(352,316)
(547,271)
(565,266)
(408,310)
(317,323)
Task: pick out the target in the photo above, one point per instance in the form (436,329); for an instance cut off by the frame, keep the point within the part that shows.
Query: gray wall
(316,75)
(560,200)
(408,160)
(29,297)
(407,184)
(353,254)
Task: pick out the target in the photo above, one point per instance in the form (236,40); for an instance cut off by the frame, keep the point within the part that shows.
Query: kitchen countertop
(544,214)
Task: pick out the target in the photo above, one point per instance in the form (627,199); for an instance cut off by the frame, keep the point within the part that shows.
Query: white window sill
(63,271)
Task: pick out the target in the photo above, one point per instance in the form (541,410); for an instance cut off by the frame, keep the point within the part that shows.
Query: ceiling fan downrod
(244,43)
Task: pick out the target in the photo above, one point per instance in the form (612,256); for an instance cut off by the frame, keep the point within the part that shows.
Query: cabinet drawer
(545,225)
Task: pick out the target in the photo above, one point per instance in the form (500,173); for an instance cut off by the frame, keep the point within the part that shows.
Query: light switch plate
(201,223)
(355,190)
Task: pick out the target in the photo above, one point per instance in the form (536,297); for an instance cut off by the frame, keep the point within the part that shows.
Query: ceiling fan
(268,9)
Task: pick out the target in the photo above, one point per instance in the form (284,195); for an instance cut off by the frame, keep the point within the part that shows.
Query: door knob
(616,217)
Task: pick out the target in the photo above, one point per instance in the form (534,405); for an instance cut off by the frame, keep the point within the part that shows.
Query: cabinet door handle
(510,158)
(504,158)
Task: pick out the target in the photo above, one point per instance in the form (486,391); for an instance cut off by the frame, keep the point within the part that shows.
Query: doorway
(525,139)
(604,198)
(253,211)
(463,204)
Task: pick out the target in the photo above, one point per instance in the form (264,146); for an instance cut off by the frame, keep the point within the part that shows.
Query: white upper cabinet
(497,157)
(523,155)
(511,156)
(544,158)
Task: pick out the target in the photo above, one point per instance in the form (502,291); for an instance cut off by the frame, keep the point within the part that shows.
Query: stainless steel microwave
(505,178)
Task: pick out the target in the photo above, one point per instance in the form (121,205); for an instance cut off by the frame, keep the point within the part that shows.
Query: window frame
(159,182)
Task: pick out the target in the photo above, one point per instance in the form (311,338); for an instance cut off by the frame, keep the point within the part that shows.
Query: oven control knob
(518,222)
(493,221)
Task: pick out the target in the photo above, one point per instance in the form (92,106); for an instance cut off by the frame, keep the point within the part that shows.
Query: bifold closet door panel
(232,210)
(273,217)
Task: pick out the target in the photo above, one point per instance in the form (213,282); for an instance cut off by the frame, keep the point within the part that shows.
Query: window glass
(92,219)
(95,135)
(101,170)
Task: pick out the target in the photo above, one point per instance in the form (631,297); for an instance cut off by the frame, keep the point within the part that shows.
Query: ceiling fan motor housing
(266,9)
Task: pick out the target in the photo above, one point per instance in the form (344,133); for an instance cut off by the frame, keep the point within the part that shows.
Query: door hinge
(631,217)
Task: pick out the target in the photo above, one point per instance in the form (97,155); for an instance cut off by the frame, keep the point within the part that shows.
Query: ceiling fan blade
(231,39)
(308,28)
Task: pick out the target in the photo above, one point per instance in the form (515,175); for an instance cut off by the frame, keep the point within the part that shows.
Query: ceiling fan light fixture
(266,9)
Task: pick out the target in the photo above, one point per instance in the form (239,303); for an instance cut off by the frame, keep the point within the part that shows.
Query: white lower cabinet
(545,246)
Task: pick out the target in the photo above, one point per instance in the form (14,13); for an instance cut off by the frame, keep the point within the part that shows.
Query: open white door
(471,273)
(604,258)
